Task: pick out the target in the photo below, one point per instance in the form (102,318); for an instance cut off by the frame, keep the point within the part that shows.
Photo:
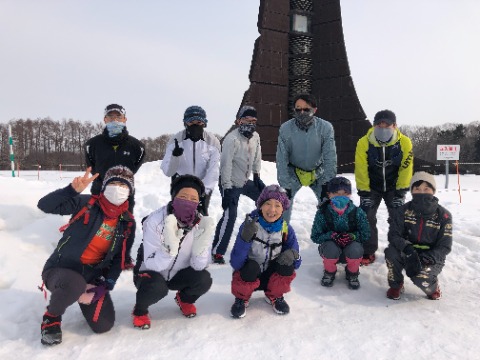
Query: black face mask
(424,204)
(247,130)
(195,132)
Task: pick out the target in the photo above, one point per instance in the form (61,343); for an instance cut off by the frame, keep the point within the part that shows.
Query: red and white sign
(448,152)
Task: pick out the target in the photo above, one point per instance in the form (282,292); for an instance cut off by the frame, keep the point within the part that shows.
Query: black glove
(250,228)
(226,198)
(288,257)
(427,259)
(398,198)
(289,193)
(258,182)
(413,266)
(177,150)
(366,202)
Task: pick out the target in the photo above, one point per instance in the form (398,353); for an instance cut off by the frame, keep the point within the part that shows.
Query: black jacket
(432,234)
(102,152)
(78,235)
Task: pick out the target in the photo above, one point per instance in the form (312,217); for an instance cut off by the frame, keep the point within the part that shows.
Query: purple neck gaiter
(185,210)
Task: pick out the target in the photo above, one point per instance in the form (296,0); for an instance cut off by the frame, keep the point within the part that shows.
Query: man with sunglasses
(111,148)
(383,169)
(306,151)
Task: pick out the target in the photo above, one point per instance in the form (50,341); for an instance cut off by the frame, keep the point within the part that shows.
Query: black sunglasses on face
(299,110)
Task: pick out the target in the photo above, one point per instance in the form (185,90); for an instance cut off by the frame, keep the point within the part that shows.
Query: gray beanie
(423,176)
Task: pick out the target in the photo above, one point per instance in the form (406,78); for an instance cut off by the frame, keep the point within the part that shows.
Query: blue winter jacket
(255,250)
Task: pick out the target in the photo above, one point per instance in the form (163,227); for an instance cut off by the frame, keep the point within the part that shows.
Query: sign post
(448,152)
(12,157)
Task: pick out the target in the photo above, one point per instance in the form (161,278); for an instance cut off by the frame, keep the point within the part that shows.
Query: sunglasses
(300,110)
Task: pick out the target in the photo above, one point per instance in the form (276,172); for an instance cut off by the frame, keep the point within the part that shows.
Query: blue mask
(115,128)
(340,202)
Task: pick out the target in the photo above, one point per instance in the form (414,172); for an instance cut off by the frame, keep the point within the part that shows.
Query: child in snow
(175,252)
(91,253)
(265,254)
(420,238)
(340,228)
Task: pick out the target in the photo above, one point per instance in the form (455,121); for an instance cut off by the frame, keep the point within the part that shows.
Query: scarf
(111,211)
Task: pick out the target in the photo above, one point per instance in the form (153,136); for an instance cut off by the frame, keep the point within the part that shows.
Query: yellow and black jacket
(383,168)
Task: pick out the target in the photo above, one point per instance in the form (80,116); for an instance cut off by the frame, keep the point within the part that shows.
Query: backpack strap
(83,211)
(284,231)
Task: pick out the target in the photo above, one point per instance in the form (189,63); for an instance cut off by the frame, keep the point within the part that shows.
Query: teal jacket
(309,150)
(321,232)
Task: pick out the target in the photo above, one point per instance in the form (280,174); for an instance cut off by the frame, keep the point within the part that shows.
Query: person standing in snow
(114,147)
(340,229)
(175,252)
(196,152)
(241,156)
(383,169)
(265,255)
(91,253)
(420,238)
(306,152)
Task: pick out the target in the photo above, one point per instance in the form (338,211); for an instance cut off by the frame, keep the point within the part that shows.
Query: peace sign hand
(80,183)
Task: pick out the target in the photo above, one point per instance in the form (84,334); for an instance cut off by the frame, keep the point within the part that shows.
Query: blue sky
(69,59)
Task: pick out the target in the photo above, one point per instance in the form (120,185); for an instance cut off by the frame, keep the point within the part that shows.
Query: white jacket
(201,158)
(160,257)
(240,157)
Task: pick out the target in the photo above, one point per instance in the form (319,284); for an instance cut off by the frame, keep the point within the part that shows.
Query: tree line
(48,143)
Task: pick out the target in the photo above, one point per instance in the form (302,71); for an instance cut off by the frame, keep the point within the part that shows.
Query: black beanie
(183,181)
(385,115)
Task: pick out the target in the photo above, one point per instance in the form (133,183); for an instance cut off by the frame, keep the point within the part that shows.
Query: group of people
(180,239)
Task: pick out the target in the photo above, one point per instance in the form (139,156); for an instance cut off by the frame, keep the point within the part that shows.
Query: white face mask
(117,195)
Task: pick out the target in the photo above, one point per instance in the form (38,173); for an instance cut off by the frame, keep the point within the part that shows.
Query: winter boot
(395,293)
(218,259)
(435,295)
(279,305)
(328,278)
(352,279)
(51,330)
(141,321)
(189,310)
(239,308)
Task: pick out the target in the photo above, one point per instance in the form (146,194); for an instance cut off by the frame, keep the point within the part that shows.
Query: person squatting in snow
(420,238)
(340,228)
(91,253)
(265,254)
(241,155)
(175,252)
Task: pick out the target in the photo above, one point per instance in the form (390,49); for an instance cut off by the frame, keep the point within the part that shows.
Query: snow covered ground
(324,323)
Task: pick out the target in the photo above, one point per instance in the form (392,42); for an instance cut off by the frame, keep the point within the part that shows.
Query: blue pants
(224,229)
